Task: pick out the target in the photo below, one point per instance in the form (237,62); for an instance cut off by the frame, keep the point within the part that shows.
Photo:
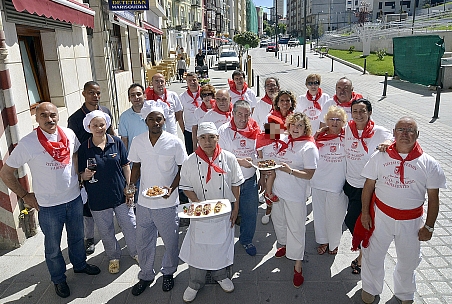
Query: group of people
(357,172)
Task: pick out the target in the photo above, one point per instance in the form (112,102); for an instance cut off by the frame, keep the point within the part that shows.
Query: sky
(268,3)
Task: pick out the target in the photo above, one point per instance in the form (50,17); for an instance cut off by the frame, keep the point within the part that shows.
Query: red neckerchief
(252,126)
(315,98)
(59,150)
(233,88)
(195,99)
(368,132)
(227,114)
(151,95)
(278,114)
(292,140)
(263,140)
(324,136)
(355,96)
(414,153)
(267,100)
(204,107)
(200,152)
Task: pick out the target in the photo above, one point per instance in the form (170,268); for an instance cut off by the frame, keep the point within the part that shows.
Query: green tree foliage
(282,28)
(246,40)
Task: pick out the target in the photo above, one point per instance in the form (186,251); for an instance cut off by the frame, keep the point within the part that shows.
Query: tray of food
(204,209)
(154,192)
(265,164)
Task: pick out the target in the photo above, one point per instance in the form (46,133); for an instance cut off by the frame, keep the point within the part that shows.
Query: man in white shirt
(239,137)
(239,90)
(191,100)
(265,105)
(392,207)
(210,173)
(169,101)
(49,152)
(157,157)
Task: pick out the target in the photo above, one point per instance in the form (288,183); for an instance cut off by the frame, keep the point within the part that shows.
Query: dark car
(272,47)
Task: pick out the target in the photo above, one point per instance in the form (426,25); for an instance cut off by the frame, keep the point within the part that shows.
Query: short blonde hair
(313,77)
(339,111)
(297,117)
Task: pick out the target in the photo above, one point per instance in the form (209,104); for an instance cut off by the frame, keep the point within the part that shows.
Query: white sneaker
(266,219)
(227,285)
(189,294)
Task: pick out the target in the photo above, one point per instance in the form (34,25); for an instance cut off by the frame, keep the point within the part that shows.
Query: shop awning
(68,11)
(152,28)
(219,39)
(126,22)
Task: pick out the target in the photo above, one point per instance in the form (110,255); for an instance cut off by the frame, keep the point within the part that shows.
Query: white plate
(225,209)
(256,160)
(165,192)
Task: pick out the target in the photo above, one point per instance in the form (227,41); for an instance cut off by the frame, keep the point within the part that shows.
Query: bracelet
(291,172)
(24,195)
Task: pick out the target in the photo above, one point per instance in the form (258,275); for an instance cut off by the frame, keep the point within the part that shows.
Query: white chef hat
(207,128)
(93,114)
(148,107)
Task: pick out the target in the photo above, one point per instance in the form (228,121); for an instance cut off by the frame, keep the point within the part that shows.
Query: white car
(293,42)
(228,58)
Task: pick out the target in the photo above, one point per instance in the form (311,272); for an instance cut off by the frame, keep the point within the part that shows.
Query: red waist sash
(399,214)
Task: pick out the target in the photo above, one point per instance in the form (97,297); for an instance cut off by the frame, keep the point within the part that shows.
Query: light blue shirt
(130,125)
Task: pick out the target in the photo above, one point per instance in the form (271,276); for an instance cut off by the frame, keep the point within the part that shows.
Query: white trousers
(405,236)
(289,222)
(329,212)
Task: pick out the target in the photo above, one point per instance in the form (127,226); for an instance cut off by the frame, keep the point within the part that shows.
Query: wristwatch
(430,229)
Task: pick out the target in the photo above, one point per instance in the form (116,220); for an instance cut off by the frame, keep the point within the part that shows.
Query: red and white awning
(152,28)
(68,11)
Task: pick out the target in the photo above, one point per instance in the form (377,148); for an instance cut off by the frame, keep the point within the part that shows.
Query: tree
(268,29)
(282,28)
(246,40)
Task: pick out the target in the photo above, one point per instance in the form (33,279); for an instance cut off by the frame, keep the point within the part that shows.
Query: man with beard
(49,152)
(265,105)
(157,157)
(191,100)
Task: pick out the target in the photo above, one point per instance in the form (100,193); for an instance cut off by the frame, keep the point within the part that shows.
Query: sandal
(322,249)
(333,252)
(354,263)
(355,266)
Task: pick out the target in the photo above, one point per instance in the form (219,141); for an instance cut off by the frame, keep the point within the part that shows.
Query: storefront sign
(128,5)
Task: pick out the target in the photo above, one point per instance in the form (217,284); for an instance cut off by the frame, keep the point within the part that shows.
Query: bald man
(49,151)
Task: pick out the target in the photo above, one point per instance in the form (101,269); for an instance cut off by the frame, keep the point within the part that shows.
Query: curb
(352,65)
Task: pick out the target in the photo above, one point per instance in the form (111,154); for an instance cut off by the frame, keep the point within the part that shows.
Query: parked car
(228,58)
(264,43)
(272,47)
(283,40)
(293,42)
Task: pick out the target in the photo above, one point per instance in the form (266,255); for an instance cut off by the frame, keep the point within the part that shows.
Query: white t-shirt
(420,174)
(189,109)
(357,157)
(306,106)
(249,96)
(170,112)
(303,155)
(215,117)
(53,183)
(330,172)
(198,114)
(238,145)
(261,112)
(159,166)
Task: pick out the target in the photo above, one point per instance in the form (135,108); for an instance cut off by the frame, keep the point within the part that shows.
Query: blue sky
(268,3)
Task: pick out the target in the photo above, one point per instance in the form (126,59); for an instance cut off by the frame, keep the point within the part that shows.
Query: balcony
(156,6)
(196,3)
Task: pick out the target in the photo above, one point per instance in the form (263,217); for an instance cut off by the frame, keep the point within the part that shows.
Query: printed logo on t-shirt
(397,170)
(312,112)
(242,143)
(333,149)
(354,145)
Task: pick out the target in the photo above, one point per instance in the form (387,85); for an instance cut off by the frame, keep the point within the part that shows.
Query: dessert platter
(154,192)
(265,164)
(204,209)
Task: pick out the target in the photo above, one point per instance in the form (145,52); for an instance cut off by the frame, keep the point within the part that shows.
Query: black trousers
(354,205)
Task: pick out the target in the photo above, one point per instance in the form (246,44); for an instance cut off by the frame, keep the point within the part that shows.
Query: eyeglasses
(408,130)
(271,86)
(206,94)
(335,119)
(311,83)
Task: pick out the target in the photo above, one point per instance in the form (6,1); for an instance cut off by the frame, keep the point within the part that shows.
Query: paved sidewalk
(264,279)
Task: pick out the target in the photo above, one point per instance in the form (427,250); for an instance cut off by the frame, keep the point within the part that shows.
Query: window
(116,48)
(380,5)
(33,65)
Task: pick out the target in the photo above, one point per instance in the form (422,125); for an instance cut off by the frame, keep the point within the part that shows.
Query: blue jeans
(52,219)
(248,204)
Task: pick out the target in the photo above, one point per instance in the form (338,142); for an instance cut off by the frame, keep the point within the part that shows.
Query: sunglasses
(206,94)
(313,83)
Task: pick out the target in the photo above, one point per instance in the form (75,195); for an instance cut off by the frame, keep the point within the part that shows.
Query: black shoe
(168,282)
(62,289)
(139,287)
(89,246)
(89,269)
